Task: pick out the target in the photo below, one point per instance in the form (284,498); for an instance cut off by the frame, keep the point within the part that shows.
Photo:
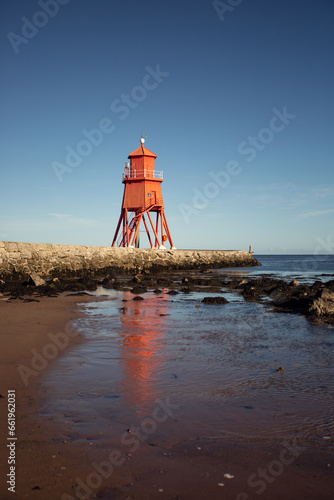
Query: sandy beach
(33,336)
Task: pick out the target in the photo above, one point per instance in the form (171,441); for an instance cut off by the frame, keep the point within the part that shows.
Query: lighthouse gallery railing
(135,173)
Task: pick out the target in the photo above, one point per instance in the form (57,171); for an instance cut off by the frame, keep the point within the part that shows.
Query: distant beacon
(142,196)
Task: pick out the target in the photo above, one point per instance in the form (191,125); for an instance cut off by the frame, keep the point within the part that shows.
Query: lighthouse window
(149,195)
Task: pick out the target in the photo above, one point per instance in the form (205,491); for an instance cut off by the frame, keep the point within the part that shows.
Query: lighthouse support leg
(137,224)
(157,230)
(137,239)
(155,233)
(167,229)
(162,229)
(126,228)
(147,231)
(117,229)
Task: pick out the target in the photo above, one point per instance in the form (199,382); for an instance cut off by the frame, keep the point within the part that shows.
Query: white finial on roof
(142,140)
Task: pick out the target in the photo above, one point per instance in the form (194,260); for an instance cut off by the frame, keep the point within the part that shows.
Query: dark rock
(330,285)
(136,279)
(89,283)
(16,289)
(292,297)
(241,283)
(108,282)
(138,297)
(293,304)
(199,282)
(45,290)
(266,285)
(251,292)
(138,289)
(56,285)
(59,285)
(317,285)
(164,282)
(74,287)
(214,300)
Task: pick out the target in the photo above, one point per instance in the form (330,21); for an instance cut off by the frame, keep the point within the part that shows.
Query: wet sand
(54,460)
(25,326)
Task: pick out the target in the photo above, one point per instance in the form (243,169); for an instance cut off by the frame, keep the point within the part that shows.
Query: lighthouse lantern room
(142,197)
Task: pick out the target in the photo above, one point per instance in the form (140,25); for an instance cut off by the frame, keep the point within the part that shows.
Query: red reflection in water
(142,343)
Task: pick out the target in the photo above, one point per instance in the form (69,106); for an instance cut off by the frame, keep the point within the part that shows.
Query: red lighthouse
(142,196)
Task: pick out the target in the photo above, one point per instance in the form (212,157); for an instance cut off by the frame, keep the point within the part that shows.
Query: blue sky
(236,99)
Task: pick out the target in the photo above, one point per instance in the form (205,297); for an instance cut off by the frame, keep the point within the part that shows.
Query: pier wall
(21,259)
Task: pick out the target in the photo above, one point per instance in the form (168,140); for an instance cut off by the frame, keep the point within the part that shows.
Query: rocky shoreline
(315,301)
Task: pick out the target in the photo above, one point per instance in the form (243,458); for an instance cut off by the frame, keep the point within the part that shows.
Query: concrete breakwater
(21,259)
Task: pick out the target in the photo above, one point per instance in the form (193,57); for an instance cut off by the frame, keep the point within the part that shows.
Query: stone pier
(21,259)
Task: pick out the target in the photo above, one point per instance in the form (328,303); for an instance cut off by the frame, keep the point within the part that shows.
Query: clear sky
(236,99)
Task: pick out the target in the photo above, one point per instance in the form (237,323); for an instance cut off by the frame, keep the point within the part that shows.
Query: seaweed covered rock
(138,290)
(214,300)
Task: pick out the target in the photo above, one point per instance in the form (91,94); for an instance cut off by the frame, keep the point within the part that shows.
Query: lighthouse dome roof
(142,151)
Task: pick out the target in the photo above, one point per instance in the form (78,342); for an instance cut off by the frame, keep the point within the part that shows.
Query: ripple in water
(217,363)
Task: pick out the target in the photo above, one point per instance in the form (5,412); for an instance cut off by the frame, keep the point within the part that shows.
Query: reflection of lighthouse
(142,197)
(142,353)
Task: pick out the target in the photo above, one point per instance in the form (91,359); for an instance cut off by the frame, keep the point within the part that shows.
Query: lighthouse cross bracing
(142,197)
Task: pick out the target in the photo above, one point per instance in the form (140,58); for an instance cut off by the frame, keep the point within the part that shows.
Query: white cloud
(76,221)
(316,213)
(287,196)
(16,223)
(323,192)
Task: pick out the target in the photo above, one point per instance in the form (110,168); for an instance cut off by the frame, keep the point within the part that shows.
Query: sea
(233,371)
(305,268)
